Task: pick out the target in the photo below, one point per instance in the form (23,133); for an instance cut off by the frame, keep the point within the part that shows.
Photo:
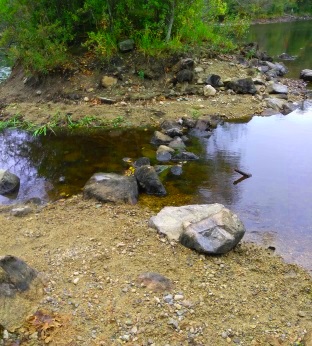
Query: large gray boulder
(9,182)
(149,181)
(207,228)
(217,234)
(112,187)
(275,103)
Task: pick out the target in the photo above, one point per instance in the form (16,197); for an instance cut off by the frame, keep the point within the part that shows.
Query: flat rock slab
(170,220)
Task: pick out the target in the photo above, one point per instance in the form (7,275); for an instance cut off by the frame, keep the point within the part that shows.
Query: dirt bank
(143,93)
(247,297)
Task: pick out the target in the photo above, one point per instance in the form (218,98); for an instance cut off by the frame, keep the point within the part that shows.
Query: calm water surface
(294,38)
(275,203)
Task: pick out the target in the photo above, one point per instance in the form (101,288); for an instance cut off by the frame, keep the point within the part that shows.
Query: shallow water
(274,204)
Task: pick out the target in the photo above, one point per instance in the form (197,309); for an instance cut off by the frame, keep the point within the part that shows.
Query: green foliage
(41,33)
(102,43)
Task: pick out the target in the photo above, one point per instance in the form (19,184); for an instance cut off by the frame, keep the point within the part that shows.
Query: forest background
(44,35)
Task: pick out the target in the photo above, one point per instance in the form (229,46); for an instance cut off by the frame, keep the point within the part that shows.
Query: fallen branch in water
(247,175)
(240,180)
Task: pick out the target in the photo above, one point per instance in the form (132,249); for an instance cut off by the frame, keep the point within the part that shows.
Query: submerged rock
(111,187)
(164,153)
(185,156)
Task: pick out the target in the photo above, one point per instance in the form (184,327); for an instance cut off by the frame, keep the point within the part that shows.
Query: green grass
(60,121)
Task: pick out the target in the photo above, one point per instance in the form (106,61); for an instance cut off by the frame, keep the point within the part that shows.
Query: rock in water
(306,75)
(111,187)
(149,181)
(9,182)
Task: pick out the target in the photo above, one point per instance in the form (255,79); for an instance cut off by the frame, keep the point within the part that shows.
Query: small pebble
(178,297)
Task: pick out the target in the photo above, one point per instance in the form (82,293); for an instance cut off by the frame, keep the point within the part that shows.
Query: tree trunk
(171,20)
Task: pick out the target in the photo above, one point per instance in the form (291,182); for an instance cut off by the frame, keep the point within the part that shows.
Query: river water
(274,204)
(293,38)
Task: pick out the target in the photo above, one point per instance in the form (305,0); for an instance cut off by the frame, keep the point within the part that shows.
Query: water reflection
(277,199)
(15,155)
(274,204)
(294,38)
(54,166)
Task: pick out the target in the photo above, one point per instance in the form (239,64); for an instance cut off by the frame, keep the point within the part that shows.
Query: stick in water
(248,175)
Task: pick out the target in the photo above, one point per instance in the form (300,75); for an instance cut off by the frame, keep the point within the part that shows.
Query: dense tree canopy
(41,33)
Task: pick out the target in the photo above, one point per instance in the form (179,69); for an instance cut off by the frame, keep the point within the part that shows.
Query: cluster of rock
(265,86)
(116,188)
(189,77)
(171,152)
